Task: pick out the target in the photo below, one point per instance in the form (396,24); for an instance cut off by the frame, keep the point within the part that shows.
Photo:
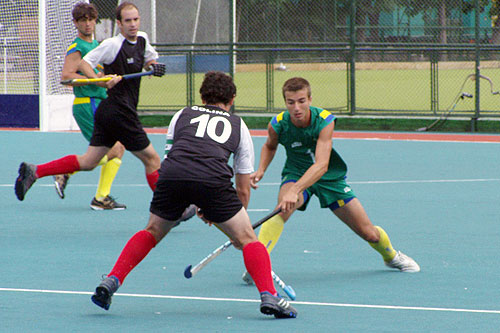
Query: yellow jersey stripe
(280,117)
(324,114)
(81,100)
(72,46)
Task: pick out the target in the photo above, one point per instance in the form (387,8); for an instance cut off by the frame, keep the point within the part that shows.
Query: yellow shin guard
(384,246)
(108,174)
(271,231)
(103,160)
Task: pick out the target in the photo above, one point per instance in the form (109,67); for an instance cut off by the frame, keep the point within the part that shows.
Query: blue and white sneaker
(404,263)
(247,278)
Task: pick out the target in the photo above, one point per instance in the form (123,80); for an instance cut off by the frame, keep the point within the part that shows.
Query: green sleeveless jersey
(84,47)
(300,144)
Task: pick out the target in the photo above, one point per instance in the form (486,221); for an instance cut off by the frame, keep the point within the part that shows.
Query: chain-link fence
(362,57)
(374,57)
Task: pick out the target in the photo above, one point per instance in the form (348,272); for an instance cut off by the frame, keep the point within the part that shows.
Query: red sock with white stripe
(258,265)
(136,249)
(66,164)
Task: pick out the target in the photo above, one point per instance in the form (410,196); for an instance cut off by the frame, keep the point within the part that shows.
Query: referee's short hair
(217,87)
(121,7)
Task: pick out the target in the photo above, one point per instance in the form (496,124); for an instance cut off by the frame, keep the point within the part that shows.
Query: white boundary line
(219,299)
(415,181)
(410,181)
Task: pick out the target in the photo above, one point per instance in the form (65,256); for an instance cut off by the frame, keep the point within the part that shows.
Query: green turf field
(389,91)
(399,91)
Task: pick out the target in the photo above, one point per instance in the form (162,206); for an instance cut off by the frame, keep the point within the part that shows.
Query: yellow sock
(108,174)
(384,246)
(271,231)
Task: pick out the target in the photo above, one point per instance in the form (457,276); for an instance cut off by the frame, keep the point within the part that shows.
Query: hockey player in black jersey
(200,141)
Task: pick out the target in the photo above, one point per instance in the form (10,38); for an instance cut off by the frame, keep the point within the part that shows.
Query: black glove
(159,69)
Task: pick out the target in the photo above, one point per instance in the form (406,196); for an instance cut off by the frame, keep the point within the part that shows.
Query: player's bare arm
(266,156)
(147,66)
(242,182)
(87,70)
(70,68)
(315,171)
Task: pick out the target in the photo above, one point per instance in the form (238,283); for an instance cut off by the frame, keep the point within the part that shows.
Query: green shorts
(83,112)
(328,192)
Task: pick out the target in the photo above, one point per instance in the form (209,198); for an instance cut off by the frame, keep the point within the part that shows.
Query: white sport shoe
(247,278)
(404,263)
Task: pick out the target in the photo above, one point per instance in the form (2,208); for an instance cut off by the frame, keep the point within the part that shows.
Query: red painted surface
(404,136)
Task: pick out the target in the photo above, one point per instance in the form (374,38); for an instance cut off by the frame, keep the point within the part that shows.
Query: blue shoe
(277,306)
(104,292)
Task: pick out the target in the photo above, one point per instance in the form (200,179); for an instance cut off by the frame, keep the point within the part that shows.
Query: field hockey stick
(484,77)
(191,271)
(461,95)
(286,288)
(158,70)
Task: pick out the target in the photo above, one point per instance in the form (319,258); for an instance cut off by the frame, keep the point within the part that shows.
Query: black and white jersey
(200,141)
(119,56)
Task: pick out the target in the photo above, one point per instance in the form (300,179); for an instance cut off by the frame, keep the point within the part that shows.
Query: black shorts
(115,122)
(219,202)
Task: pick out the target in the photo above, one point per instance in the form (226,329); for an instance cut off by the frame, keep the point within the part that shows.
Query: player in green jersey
(314,167)
(87,99)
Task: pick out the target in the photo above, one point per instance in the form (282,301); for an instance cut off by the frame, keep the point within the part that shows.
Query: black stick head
(187,272)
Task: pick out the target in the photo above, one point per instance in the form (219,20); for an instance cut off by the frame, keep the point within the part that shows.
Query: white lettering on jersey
(208,125)
(203,109)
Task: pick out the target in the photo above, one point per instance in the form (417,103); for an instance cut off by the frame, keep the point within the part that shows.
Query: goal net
(30,92)
(34,36)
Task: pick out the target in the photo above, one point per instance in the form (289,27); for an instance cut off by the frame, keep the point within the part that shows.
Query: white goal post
(57,30)
(35,34)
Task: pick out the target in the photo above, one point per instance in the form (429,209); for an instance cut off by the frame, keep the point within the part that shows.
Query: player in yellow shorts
(87,99)
(313,167)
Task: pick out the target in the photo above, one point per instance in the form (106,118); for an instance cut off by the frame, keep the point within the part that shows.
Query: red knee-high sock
(132,254)
(152,179)
(66,164)
(258,266)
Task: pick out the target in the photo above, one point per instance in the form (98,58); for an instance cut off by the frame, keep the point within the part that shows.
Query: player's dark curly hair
(84,10)
(217,87)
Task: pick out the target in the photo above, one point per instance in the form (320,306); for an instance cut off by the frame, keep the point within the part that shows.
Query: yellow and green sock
(384,246)
(271,231)
(108,174)
(103,160)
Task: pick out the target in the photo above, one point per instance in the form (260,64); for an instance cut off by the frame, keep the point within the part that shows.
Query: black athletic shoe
(26,178)
(104,292)
(108,203)
(277,306)
(60,181)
